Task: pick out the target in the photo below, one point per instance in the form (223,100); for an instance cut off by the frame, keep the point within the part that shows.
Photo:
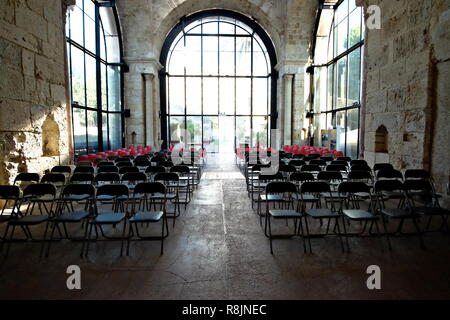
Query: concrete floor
(218,251)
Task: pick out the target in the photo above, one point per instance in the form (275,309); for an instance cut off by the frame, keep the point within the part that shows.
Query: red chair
(83,158)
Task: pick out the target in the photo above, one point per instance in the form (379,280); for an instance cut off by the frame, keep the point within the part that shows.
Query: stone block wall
(32,87)
(407,85)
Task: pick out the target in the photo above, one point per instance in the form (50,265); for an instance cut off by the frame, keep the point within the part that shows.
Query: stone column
(287,108)
(149,109)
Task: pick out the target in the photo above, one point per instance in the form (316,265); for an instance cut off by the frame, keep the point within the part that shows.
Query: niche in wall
(50,138)
(381,140)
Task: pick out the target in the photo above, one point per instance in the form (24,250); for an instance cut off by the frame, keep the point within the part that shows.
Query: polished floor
(217,250)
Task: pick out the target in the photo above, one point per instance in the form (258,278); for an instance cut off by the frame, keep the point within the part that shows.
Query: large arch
(180,27)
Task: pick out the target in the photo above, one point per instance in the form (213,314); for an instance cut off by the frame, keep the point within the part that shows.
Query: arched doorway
(218,82)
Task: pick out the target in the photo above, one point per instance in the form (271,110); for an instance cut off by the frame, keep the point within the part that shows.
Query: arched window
(338,53)
(218,82)
(95,59)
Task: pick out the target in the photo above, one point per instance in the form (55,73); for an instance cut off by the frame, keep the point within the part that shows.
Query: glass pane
(259,132)
(243,56)
(242,28)
(211,27)
(355,27)
(243,96)
(104,86)
(92,128)
(89,34)
(114,83)
(194,130)
(330,87)
(243,131)
(76,25)
(176,127)
(226,56)
(79,130)
(210,96)
(227,96)
(102,44)
(260,64)
(115,130)
(193,95)
(260,94)
(78,88)
(176,95)
(177,59)
(341,37)
(89,8)
(340,131)
(105,131)
(91,81)
(354,77)
(194,55)
(341,11)
(341,83)
(226,134)
(352,133)
(210,55)
(226,27)
(211,134)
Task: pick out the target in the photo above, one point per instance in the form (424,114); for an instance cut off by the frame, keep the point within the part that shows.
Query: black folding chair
(82,178)
(124,170)
(106,178)
(153,170)
(422,199)
(285,194)
(186,182)
(382,166)
(39,194)
(66,170)
(25,178)
(263,180)
(122,164)
(171,181)
(351,211)
(70,194)
(146,194)
(358,162)
(314,191)
(108,169)
(286,171)
(9,194)
(119,194)
(399,212)
(131,179)
(84,170)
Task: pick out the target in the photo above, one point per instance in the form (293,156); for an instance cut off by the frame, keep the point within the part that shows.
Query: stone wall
(32,86)
(407,85)
(146,23)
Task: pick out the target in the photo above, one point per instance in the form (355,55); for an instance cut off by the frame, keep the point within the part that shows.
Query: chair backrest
(327,159)
(107,177)
(122,164)
(336,167)
(9,192)
(27,177)
(61,169)
(346,159)
(166,164)
(180,169)
(423,185)
(360,167)
(270,177)
(142,163)
(358,162)
(417,174)
(113,190)
(134,176)
(301,176)
(149,188)
(314,155)
(84,164)
(329,175)
(155,169)
(360,175)
(389,174)
(122,159)
(167,176)
(297,163)
(388,185)
(339,162)
(124,170)
(383,166)
(39,189)
(315,187)
(84,170)
(99,160)
(353,187)
(105,164)
(108,169)
(54,178)
(287,168)
(82,177)
(319,162)
(78,189)
(281,187)
(311,168)
(112,157)
(298,156)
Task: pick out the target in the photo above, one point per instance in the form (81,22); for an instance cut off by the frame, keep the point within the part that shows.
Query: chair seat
(309,198)
(398,213)
(431,211)
(285,214)
(334,194)
(77,197)
(109,218)
(105,197)
(393,194)
(29,220)
(159,196)
(71,217)
(321,213)
(271,197)
(4,219)
(151,216)
(46,198)
(359,215)
(363,195)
